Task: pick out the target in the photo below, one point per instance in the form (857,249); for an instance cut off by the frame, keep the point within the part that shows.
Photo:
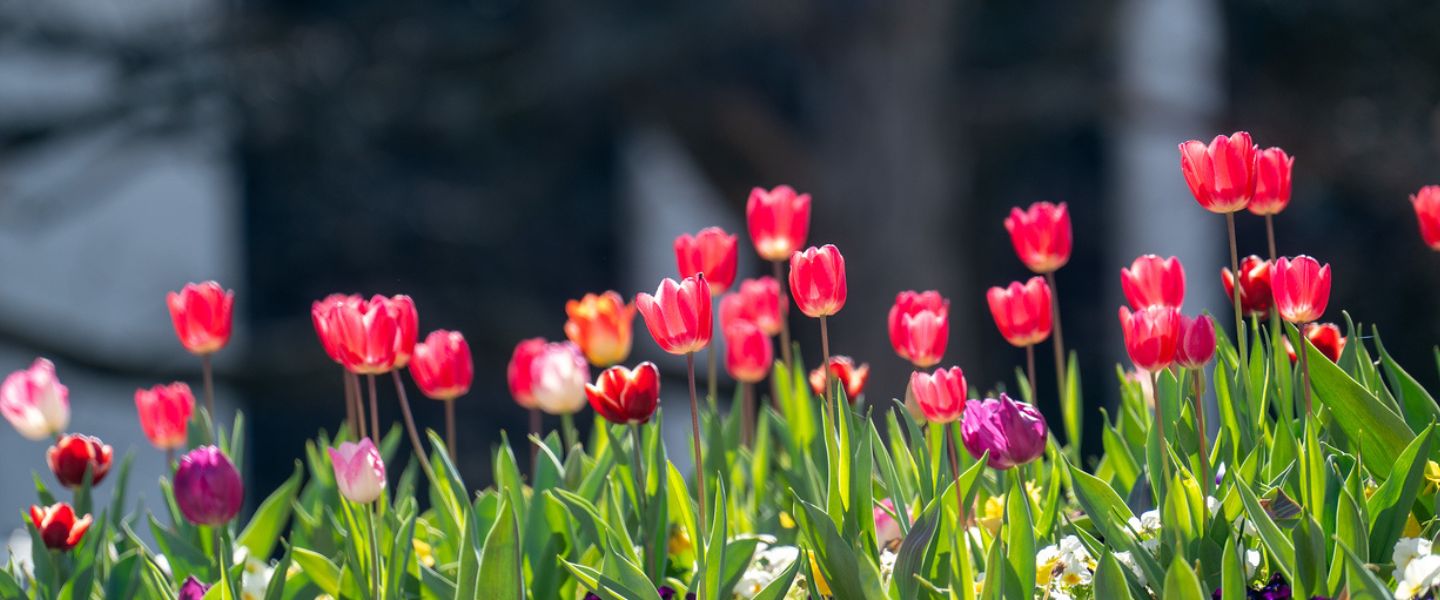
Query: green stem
(699,459)
(784,313)
(568,430)
(375,553)
(636,439)
(421,455)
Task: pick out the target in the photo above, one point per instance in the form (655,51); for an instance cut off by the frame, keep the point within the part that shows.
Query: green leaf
(837,560)
(1309,557)
(1363,418)
(910,560)
(713,567)
(1270,534)
(1110,580)
(319,569)
(1416,405)
(1181,583)
(1362,583)
(1019,542)
(1389,507)
(780,586)
(268,523)
(1232,573)
(500,564)
(1071,408)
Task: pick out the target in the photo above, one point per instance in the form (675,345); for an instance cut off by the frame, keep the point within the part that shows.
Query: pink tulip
(920,327)
(779,221)
(1197,341)
(817,281)
(165,412)
(712,252)
(1152,281)
(1301,287)
(941,395)
(678,315)
(359,471)
(202,315)
(441,366)
(1221,175)
(35,402)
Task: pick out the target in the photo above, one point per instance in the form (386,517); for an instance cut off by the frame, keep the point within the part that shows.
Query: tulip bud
(1272,182)
(920,327)
(757,301)
(359,471)
(941,395)
(202,315)
(678,315)
(817,281)
(441,366)
(626,396)
(521,369)
(749,353)
(558,376)
(1197,341)
(1012,432)
(1221,175)
(1021,311)
(1152,281)
(35,402)
(58,527)
(1255,295)
(1151,335)
(192,589)
(1041,235)
(1301,287)
(165,412)
(711,252)
(779,221)
(602,325)
(207,487)
(73,454)
(850,377)
(1427,210)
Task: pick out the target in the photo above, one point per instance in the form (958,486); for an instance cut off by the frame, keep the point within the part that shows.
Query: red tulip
(1221,175)
(602,325)
(625,396)
(920,327)
(1197,341)
(320,311)
(817,281)
(165,412)
(678,315)
(1325,337)
(1041,235)
(1022,311)
(842,368)
(519,373)
(1302,288)
(712,252)
(1427,209)
(1151,335)
(374,336)
(1272,182)
(409,321)
(1152,280)
(73,453)
(941,395)
(1255,293)
(58,527)
(748,352)
(757,301)
(441,365)
(201,313)
(779,221)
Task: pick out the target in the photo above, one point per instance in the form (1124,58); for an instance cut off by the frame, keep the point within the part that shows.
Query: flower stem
(1059,346)
(1199,387)
(695,431)
(960,517)
(535,432)
(1304,353)
(350,406)
(747,414)
(208,373)
(375,412)
(639,466)
(568,431)
(1270,234)
(450,432)
(375,550)
(784,312)
(220,558)
(1030,371)
(420,455)
(359,399)
(1160,433)
(1240,344)
(829,373)
(713,381)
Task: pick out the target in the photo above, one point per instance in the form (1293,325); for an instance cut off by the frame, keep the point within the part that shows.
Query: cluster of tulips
(799,495)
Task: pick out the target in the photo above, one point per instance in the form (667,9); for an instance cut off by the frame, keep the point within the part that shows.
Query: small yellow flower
(787,521)
(1412,527)
(1432,476)
(1371,488)
(1044,571)
(424,554)
(993,514)
(679,541)
(820,584)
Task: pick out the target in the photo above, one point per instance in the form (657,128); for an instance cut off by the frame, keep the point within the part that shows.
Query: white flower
(1127,559)
(887,566)
(1211,504)
(1076,573)
(1406,550)
(1151,545)
(255,579)
(1149,522)
(1421,574)
(1252,562)
(769,562)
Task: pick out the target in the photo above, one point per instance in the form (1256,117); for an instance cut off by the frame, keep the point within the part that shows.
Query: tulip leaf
(1389,507)
(319,569)
(779,588)
(1110,582)
(1381,433)
(1232,573)
(1181,583)
(500,573)
(267,524)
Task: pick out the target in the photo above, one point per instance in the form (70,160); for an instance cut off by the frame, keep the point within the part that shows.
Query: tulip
(1041,235)
(817,281)
(207,487)
(1151,335)
(521,368)
(1196,345)
(602,325)
(678,315)
(712,252)
(626,396)
(441,365)
(887,529)
(359,471)
(35,402)
(1021,311)
(850,377)
(779,221)
(558,376)
(749,353)
(165,412)
(1272,182)
(367,334)
(1152,281)
(1325,337)
(58,527)
(192,589)
(941,395)
(1427,210)
(1255,295)
(757,301)
(324,326)
(74,454)
(1012,432)
(202,314)
(409,322)
(1221,175)
(920,327)
(1301,287)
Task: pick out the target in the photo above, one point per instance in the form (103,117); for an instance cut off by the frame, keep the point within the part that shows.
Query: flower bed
(1313,474)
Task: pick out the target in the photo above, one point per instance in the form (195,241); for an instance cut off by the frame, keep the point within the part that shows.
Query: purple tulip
(192,589)
(208,490)
(1012,432)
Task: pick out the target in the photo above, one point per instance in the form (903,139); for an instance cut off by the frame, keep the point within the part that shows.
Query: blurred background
(493,159)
